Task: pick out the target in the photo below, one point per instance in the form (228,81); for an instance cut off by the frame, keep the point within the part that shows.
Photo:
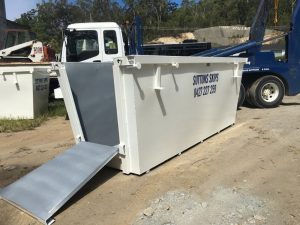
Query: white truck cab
(92,42)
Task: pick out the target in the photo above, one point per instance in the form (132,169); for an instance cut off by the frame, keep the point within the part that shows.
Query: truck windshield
(81,45)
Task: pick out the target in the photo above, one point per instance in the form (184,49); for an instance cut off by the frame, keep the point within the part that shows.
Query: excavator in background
(19,45)
(30,51)
(19,50)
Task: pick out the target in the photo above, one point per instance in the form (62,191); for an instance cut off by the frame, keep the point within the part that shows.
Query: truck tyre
(242,96)
(248,98)
(267,92)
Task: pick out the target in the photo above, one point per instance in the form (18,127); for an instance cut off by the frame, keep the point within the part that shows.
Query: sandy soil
(173,40)
(248,174)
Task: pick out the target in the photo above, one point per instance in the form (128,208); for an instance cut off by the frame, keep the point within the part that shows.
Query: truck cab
(92,42)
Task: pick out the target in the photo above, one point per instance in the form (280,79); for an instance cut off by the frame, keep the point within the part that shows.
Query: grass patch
(55,108)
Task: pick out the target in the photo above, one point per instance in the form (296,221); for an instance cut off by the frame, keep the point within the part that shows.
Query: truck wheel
(242,96)
(267,92)
(248,98)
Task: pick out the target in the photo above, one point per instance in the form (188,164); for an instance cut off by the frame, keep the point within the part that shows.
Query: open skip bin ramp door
(43,191)
(46,189)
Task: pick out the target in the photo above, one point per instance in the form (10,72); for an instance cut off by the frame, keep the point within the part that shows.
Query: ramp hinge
(175,64)
(50,221)
(78,139)
(122,149)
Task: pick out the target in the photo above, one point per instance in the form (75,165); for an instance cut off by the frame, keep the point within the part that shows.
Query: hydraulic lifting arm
(256,36)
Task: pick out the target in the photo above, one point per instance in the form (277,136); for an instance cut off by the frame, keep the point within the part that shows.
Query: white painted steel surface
(24,91)
(161,110)
(164,104)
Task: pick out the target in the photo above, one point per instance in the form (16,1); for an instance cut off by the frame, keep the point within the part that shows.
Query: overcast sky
(14,8)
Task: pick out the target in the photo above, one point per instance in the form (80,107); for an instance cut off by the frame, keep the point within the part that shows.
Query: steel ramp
(46,189)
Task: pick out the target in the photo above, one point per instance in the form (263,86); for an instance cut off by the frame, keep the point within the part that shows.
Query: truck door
(112,45)
(83,46)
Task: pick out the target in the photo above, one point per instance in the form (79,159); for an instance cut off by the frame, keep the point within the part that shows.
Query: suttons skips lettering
(205,84)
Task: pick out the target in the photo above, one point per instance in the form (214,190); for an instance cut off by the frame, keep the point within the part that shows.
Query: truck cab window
(110,42)
(82,45)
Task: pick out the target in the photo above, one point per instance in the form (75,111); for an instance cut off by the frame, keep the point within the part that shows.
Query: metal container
(24,91)
(134,116)
(151,107)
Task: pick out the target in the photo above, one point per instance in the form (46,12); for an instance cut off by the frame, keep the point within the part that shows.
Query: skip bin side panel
(171,120)
(18,104)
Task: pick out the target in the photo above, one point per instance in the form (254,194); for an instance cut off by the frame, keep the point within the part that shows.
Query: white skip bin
(24,91)
(134,115)
(152,107)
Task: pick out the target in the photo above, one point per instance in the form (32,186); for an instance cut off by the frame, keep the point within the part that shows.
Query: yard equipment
(83,43)
(24,71)
(138,114)
(134,116)
(31,51)
(18,44)
(266,79)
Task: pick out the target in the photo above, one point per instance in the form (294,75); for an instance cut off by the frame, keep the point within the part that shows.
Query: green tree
(159,17)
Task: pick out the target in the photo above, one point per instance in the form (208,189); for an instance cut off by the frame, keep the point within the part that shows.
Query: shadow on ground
(100,178)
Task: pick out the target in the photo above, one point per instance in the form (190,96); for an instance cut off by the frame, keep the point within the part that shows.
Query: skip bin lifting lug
(133,64)
(236,70)
(175,64)
(157,79)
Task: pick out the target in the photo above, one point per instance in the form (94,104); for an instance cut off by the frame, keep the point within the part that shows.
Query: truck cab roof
(93,25)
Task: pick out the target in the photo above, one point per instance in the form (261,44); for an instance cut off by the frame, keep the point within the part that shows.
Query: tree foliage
(160,17)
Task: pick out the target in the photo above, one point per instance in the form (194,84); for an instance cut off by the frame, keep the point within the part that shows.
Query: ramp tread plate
(44,190)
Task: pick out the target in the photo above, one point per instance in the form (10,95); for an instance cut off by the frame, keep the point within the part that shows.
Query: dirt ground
(247,174)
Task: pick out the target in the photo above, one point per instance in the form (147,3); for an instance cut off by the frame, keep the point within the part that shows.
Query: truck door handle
(97,61)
